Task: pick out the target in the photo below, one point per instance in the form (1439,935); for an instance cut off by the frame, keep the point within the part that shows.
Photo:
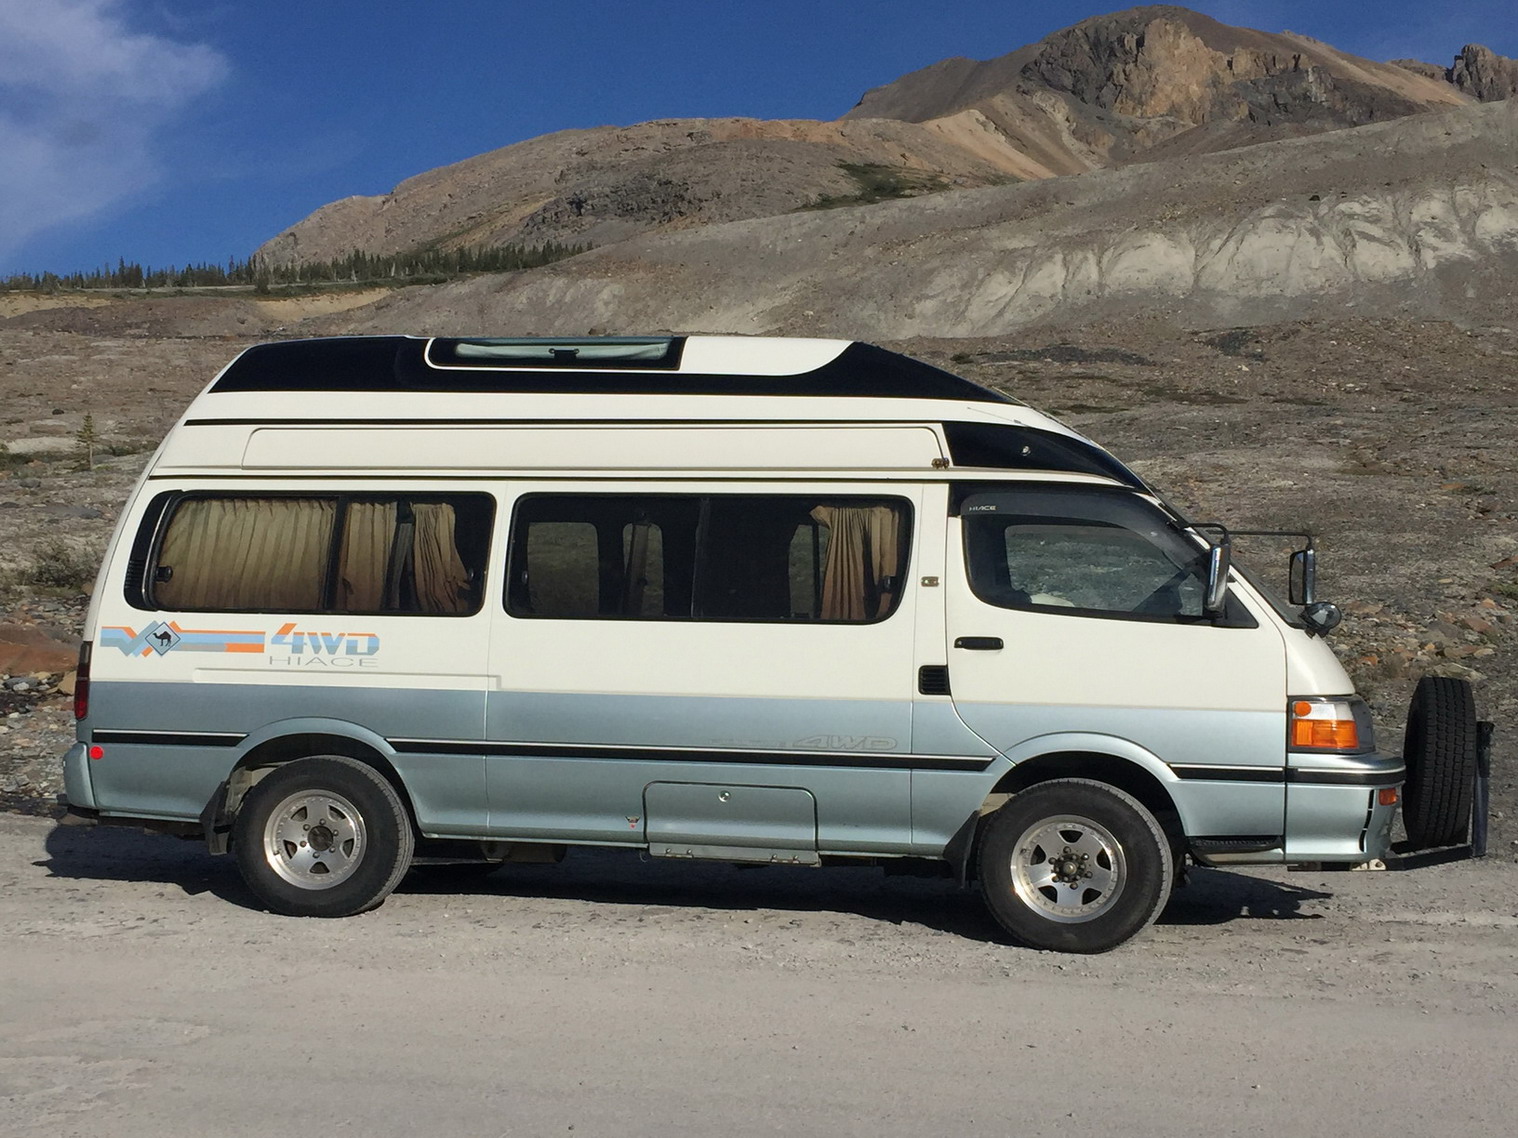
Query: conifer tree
(87,440)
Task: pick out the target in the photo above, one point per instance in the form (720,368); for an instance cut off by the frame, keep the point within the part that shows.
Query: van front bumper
(1336,808)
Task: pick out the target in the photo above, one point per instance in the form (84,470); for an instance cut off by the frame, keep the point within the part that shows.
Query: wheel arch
(1136,775)
(281,744)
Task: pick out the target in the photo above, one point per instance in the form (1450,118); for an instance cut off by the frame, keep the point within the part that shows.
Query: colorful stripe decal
(161,637)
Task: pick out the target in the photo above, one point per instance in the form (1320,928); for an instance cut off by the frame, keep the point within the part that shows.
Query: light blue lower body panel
(150,780)
(1224,770)
(725,723)
(602,801)
(1333,807)
(575,767)
(890,777)
(167,747)
(1337,824)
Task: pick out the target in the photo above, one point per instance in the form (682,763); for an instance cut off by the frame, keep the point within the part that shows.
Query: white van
(757,600)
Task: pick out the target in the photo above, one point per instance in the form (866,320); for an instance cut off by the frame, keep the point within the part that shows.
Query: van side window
(415,553)
(739,557)
(1083,551)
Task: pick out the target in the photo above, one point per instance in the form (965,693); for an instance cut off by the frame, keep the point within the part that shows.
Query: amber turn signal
(1335,734)
(1326,725)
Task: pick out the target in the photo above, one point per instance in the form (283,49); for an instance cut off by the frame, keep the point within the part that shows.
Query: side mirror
(1219,560)
(1304,577)
(1321,617)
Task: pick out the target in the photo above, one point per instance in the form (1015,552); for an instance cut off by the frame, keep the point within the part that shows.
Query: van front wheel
(1074,865)
(322,837)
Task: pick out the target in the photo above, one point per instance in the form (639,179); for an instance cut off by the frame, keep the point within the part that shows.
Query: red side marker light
(97,752)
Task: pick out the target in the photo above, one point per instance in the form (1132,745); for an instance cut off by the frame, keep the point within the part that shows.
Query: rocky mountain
(1418,216)
(604,184)
(1141,85)
(1156,81)
(1482,73)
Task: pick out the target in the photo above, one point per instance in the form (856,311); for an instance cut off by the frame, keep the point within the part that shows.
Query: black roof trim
(399,363)
(1005,446)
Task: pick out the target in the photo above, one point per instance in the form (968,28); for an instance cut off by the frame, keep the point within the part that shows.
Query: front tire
(1075,866)
(322,837)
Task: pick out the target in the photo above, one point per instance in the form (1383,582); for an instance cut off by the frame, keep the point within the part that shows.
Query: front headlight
(1340,724)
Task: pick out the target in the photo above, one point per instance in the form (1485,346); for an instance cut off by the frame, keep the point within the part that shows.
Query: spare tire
(1440,752)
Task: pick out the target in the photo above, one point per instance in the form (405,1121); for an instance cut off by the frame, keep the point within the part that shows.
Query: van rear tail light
(1329,725)
(82,683)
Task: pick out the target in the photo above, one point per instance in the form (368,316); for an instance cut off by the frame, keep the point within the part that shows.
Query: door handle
(979,643)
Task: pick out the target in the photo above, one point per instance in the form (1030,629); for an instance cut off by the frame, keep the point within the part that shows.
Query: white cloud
(83,100)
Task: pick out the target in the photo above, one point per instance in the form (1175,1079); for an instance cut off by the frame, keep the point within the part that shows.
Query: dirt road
(141,993)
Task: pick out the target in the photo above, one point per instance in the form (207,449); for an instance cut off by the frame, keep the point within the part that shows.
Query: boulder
(26,648)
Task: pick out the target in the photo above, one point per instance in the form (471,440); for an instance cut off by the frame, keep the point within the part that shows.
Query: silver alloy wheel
(1069,869)
(314,839)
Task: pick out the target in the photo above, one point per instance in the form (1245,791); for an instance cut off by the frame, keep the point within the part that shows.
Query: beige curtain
(246,553)
(368,535)
(442,582)
(864,548)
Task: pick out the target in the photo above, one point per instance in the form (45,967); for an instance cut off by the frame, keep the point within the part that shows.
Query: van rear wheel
(1075,866)
(322,837)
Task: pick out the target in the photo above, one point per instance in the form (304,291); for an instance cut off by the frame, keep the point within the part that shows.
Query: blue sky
(170,131)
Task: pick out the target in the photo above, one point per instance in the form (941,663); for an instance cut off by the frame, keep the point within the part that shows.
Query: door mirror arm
(1219,561)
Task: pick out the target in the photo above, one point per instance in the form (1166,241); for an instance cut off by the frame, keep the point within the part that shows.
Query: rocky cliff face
(1483,74)
(1136,80)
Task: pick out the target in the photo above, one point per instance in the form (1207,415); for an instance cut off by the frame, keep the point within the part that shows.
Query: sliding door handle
(979,643)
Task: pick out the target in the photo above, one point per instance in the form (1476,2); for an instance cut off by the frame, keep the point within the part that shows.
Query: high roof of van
(421,383)
(612,365)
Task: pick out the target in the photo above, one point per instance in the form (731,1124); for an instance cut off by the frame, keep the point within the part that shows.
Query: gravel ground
(142,993)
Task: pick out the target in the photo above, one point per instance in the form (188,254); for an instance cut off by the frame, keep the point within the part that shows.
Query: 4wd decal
(328,643)
(846,743)
(310,645)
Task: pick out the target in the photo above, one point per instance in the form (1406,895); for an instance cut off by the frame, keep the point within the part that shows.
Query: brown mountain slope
(1417,216)
(1145,84)
(601,185)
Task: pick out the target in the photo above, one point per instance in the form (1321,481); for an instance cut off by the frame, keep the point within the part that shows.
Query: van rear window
(740,557)
(412,553)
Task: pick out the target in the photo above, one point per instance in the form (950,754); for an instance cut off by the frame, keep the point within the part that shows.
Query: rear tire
(322,837)
(1075,866)
(1440,752)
